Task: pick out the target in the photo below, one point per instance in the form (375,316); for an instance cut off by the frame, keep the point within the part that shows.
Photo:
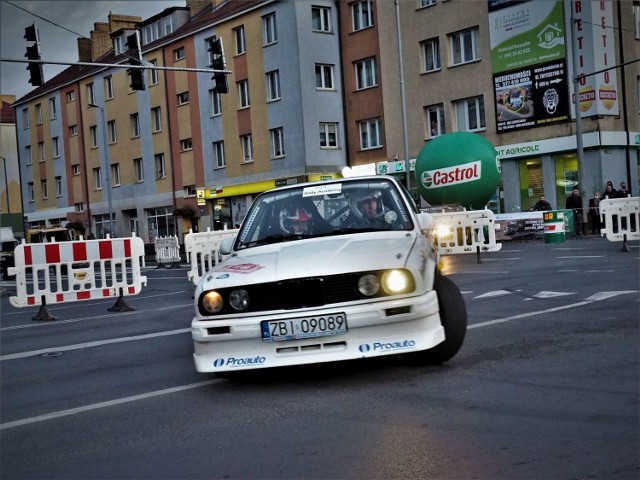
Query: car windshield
(325,209)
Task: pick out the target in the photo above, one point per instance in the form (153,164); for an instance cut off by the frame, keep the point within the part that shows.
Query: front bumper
(375,329)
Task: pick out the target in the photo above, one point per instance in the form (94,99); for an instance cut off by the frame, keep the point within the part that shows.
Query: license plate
(304,327)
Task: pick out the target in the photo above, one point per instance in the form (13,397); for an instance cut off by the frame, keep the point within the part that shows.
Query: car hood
(321,256)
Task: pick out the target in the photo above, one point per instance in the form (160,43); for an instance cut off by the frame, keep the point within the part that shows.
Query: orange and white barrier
(60,272)
(203,251)
(167,250)
(465,232)
(621,218)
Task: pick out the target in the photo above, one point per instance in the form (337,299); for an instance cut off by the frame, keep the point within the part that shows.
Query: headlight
(396,281)
(239,299)
(443,231)
(212,302)
(368,285)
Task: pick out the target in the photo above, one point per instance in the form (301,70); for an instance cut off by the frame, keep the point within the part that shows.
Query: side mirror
(425,221)
(226,246)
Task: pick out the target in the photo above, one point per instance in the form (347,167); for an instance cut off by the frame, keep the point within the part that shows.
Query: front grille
(299,293)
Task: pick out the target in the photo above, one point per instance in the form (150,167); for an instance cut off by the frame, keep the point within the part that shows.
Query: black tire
(453,315)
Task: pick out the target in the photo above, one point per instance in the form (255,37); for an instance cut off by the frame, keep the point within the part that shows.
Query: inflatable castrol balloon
(459,167)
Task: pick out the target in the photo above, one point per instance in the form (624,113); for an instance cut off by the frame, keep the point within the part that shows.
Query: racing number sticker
(242,268)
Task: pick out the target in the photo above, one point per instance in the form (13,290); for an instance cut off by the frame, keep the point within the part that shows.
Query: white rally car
(328,271)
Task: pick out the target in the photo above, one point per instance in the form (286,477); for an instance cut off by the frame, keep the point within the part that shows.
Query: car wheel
(453,315)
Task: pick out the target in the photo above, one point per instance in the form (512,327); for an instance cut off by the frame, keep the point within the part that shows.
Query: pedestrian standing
(609,191)
(594,213)
(623,192)
(574,202)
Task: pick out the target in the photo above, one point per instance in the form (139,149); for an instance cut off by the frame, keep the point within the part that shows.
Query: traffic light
(33,53)
(135,58)
(217,63)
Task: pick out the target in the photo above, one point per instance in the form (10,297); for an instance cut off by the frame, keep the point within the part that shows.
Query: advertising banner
(528,54)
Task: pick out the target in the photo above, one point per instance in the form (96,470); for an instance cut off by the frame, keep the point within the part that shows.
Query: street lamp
(6,186)
(107,164)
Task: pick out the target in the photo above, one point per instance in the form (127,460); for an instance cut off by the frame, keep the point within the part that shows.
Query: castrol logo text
(444,177)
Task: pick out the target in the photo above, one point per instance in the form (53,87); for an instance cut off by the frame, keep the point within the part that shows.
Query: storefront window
(531,184)
(566,176)
(161,223)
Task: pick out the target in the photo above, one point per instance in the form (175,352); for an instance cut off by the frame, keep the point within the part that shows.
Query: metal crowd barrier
(61,272)
(203,251)
(621,217)
(167,251)
(465,232)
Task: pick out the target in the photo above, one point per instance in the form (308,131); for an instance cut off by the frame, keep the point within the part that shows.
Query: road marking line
(97,343)
(110,403)
(495,293)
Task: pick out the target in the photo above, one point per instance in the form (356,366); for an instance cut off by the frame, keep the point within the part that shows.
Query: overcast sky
(54,19)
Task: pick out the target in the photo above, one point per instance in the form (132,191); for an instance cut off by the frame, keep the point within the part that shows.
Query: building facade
(318,86)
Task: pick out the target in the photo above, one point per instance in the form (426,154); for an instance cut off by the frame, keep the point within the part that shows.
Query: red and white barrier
(203,251)
(60,272)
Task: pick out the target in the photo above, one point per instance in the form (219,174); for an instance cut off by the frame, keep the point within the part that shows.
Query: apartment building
(317,86)
(461,58)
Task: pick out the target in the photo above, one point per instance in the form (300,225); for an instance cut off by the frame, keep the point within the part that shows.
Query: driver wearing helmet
(295,220)
(367,210)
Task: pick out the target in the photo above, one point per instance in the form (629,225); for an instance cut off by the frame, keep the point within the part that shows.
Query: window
(168,25)
(434,120)
(115,175)
(362,15)
(158,160)
(470,114)
(178,54)
(97,178)
(73,130)
(247,148)
(370,134)
(186,144)
(55,146)
(135,125)
(273,86)
(28,154)
(111,128)
(161,222)
(139,171)
(427,3)
(269,30)
(58,186)
(431,54)
(328,135)
(190,191)
(277,143)
(41,151)
(119,45)
(366,74)
(44,189)
(79,207)
(25,118)
(183,98)
(321,19)
(53,114)
(324,77)
(93,133)
(243,93)
(31,192)
(464,46)
(153,73)
(39,113)
(215,105)
(156,119)
(108,87)
(71,96)
(218,154)
(241,46)
(91,98)
(75,169)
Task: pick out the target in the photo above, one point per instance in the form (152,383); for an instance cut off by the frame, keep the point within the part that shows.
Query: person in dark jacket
(609,191)
(594,214)
(623,192)
(574,202)
(542,205)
